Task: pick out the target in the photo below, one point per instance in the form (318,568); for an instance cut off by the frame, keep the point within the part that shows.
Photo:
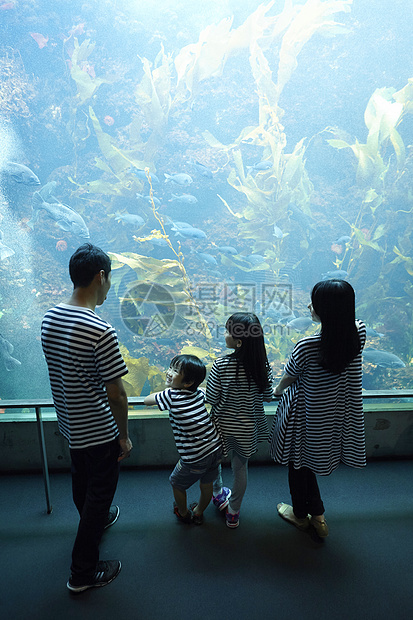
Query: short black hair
(192,369)
(86,262)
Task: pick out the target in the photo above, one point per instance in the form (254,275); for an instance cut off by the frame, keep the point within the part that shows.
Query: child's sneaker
(197,519)
(221,500)
(232,520)
(186,519)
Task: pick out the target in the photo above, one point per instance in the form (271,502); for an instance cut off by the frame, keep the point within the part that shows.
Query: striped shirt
(319,421)
(82,354)
(194,432)
(237,407)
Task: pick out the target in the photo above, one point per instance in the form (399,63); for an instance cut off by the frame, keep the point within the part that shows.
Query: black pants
(95,473)
(305,494)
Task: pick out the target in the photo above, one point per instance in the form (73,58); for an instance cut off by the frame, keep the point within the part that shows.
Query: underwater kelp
(140,372)
(380,234)
(153,95)
(270,191)
(166,274)
(217,42)
(81,72)
(262,213)
(376,176)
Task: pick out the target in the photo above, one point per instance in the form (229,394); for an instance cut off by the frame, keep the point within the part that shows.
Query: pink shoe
(232,520)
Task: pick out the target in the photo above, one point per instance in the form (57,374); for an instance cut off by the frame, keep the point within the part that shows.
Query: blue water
(48,126)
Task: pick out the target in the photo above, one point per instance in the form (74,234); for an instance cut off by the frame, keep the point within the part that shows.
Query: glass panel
(227,155)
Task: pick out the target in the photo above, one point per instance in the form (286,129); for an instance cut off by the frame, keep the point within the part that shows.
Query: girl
(236,388)
(319,421)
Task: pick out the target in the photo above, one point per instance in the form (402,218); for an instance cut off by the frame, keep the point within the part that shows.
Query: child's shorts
(186,474)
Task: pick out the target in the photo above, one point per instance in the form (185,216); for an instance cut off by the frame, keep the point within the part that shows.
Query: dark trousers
(95,473)
(305,494)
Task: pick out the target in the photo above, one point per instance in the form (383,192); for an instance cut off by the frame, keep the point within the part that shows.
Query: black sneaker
(197,519)
(106,571)
(186,519)
(112,516)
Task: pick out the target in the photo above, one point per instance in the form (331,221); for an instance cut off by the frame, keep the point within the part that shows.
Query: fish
(278,233)
(159,242)
(6,349)
(208,259)
(255,259)
(279,312)
(203,170)
(181,178)
(303,220)
(382,358)
(66,218)
(339,274)
(20,173)
(371,332)
(188,231)
(148,199)
(5,251)
(227,249)
(187,199)
(141,174)
(179,224)
(260,166)
(130,218)
(47,191)
(342,240)
(300,324)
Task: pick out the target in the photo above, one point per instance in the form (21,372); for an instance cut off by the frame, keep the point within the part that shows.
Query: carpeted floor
(265,569)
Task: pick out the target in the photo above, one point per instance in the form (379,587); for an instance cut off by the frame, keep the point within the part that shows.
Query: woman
(319,421)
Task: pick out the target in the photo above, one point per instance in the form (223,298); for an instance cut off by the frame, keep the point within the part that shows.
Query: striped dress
(194,432)
(319,421)
(237,409)
(82,354)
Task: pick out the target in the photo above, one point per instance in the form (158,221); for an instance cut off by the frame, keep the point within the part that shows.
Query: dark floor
(265,569)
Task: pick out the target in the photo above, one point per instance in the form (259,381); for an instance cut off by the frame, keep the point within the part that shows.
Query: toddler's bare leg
(205,497)
(180,499)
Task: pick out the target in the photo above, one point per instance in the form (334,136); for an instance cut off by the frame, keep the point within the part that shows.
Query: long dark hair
(334,303)
(252,355)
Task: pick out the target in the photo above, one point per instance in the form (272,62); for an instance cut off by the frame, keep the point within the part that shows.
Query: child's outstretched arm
(150,399)
(285,382)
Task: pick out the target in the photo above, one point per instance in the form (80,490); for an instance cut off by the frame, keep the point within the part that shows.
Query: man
(85,369)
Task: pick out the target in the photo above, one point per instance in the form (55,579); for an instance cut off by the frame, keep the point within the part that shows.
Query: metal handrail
(138,400)
(38,405)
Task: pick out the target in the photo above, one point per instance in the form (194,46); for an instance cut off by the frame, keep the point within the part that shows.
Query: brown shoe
(320,527)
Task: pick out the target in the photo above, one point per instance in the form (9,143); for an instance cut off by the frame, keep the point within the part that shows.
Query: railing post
(44,458)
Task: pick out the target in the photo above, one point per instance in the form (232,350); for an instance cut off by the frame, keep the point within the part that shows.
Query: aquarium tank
(226,154)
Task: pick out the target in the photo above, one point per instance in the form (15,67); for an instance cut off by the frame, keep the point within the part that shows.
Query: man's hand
(125,448)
